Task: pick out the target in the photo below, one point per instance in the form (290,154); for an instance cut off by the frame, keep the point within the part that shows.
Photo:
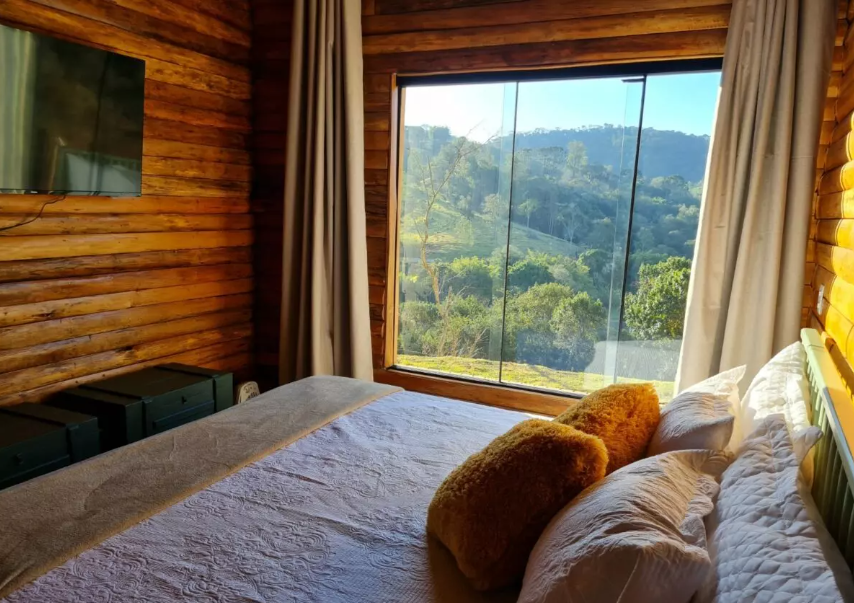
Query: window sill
(502,396)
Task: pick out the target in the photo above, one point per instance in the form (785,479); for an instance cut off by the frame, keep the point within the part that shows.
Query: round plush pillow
(624,416)
(490,510)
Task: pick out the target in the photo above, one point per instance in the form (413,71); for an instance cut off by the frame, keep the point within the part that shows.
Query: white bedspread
(765,536)
(336,517)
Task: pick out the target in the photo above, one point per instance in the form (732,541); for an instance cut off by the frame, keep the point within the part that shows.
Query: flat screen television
(70,117)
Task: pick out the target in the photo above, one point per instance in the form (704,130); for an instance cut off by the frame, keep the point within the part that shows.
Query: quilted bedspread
(765,535)
(337,516)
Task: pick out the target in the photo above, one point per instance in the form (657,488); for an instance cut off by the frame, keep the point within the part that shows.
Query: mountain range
(663,152)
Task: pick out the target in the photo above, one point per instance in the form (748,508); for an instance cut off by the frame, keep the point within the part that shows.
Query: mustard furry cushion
(491,509)
(624,416)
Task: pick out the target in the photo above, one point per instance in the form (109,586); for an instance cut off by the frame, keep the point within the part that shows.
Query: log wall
(443,36)
(98,286)
(830,251)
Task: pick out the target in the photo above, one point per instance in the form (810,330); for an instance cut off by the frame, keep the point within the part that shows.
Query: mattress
(337,516)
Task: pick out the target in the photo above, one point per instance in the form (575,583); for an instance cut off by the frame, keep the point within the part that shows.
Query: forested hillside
(665,152)
(561,199)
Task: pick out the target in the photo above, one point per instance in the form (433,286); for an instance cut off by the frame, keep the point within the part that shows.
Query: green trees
(430,176)
(657,310)
(551,307)
(527,208)
(415,320)
(552,325)
(577,323)
(528,273)
(576,160)
(468,276)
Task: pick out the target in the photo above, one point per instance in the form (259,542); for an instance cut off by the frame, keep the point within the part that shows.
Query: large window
(547,227)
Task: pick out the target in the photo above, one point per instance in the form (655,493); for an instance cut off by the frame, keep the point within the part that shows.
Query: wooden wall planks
(441,36)
(830,248)
(270,73)
(97,286)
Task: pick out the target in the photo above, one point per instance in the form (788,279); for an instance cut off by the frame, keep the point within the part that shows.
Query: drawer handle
(183,399)
(19,459)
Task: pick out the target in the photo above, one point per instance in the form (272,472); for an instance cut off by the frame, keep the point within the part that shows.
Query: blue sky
(684,102)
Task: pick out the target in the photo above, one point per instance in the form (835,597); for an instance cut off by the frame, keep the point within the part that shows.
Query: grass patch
(530,375)
(452,236)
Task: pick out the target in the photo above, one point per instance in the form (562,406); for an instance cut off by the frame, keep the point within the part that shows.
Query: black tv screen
(70,117)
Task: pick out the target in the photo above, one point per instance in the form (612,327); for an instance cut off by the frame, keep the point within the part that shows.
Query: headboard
(833,412)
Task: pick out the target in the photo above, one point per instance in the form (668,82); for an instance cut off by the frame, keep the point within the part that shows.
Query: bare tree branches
(432,180)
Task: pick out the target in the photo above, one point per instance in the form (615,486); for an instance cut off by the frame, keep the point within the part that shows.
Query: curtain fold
(325,324)
(744,300)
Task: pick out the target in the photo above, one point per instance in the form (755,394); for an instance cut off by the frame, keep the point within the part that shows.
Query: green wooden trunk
(136,405)
(37,439)
(81,430)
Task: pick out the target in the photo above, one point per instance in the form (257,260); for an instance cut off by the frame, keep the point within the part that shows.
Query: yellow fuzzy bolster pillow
(624,416)
(491,509)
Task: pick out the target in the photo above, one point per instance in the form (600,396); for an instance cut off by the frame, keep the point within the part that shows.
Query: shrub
(657,310)
(468,276)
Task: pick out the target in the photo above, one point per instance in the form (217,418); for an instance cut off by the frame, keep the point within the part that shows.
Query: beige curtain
(325,319)
(744,300)
(17,81)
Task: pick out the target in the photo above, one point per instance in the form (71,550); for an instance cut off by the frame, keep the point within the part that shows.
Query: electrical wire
(37,216)
(97,132)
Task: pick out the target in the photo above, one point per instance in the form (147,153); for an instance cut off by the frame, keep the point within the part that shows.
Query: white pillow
(764,543)
(780,387)
(692,421)
(634,537)
(722,384)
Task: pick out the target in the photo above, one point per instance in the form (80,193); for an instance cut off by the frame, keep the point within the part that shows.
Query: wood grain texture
(211,356)
(390,7)
(103,224)
(528,11)
(835,206)
(62,329)
(92,286)
(629,49)
(492,395)
(14,295)
(463,36)
(31,205)
(199,349)
(836,260)
(33,270)
(44,247)
(49,353)
(830,270)
(93,304)
(564,30)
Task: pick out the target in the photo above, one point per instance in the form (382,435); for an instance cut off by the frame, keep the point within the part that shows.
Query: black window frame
(617,70)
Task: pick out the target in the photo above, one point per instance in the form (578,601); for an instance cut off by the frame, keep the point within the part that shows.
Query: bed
(279,500)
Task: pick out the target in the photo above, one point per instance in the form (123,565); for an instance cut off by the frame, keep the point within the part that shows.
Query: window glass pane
(573,170)
(678,117)
(547,227)
(455,196)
